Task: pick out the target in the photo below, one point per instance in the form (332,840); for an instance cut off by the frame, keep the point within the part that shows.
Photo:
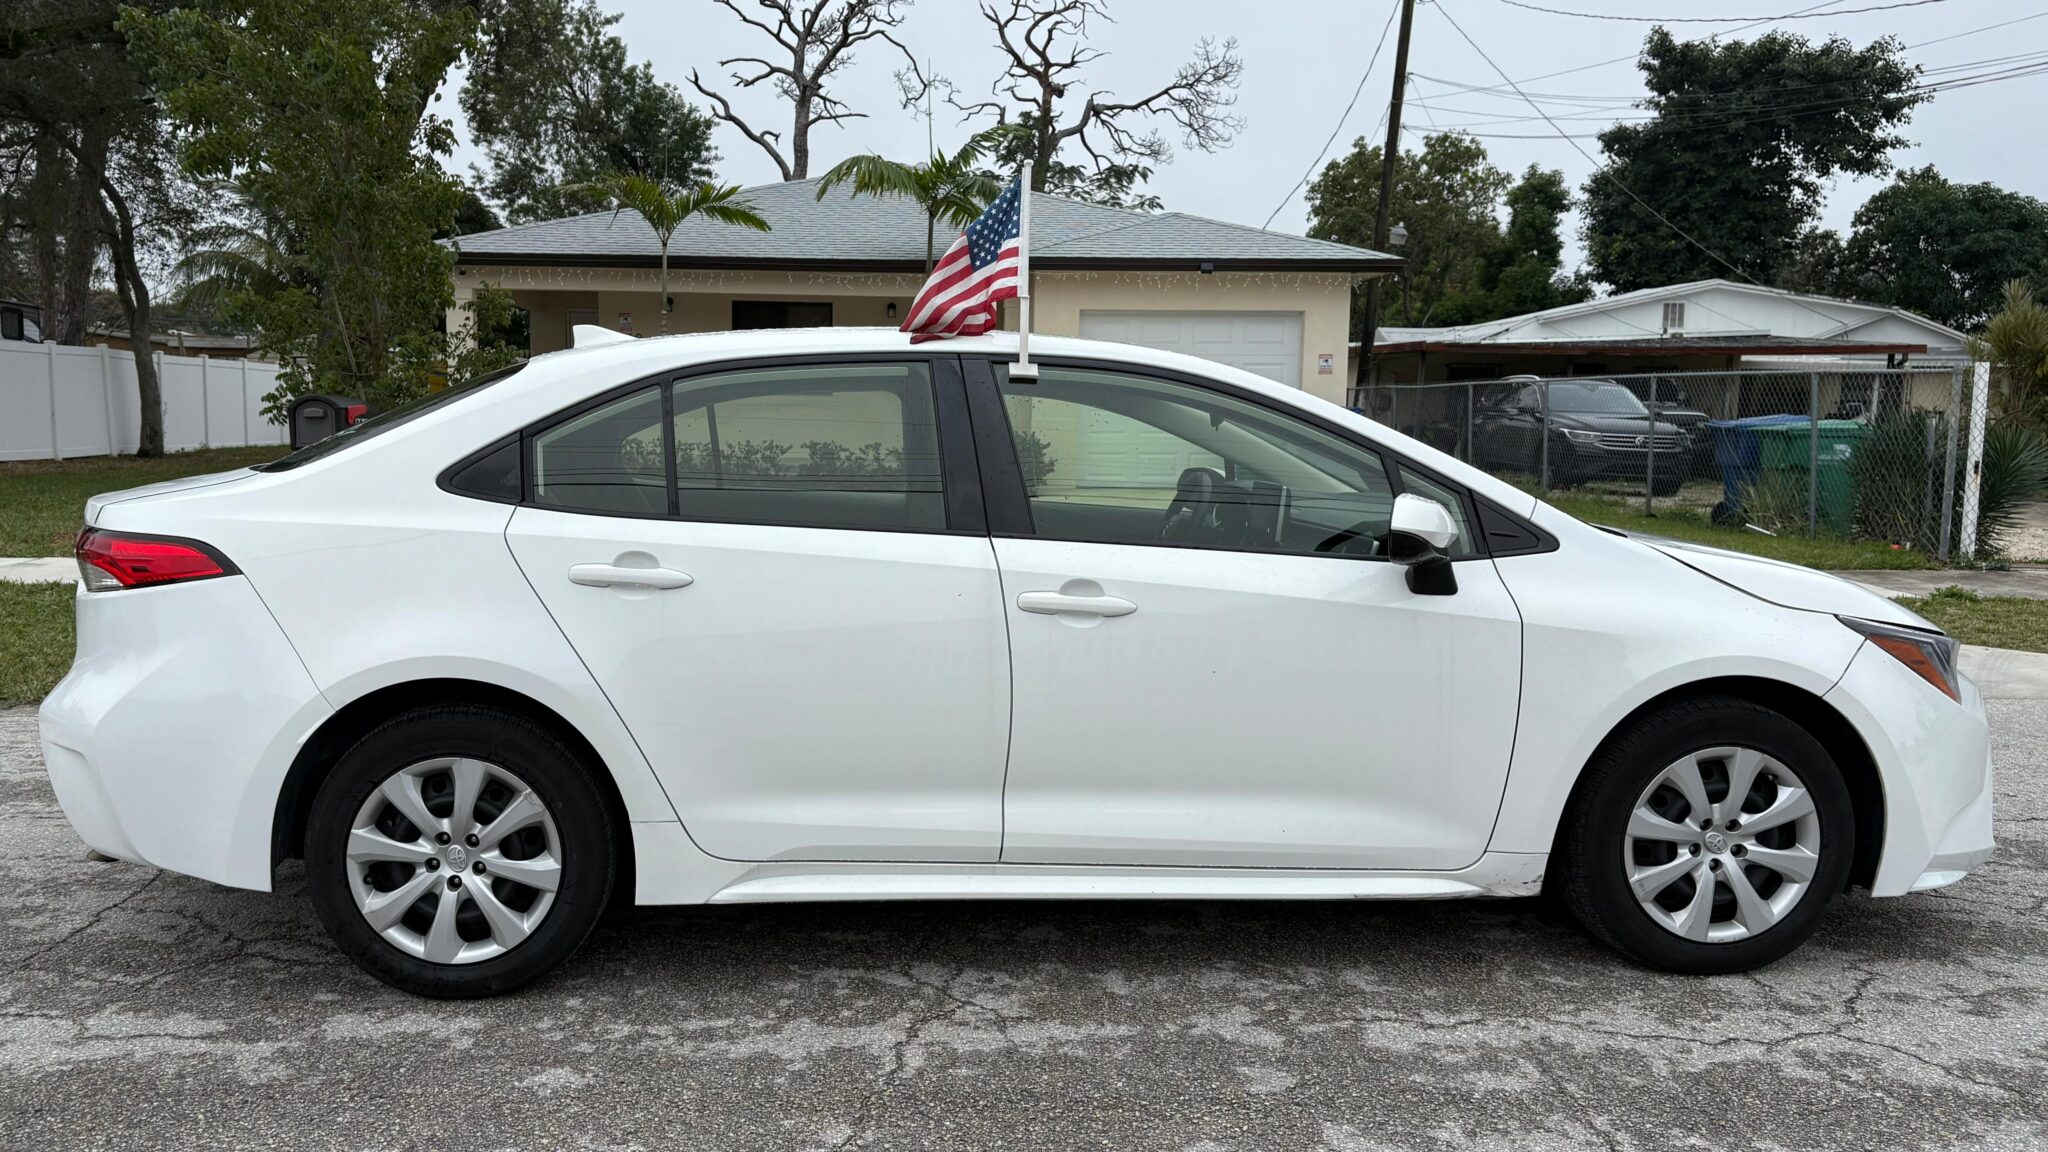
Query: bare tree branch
(1045,44)
(819,38)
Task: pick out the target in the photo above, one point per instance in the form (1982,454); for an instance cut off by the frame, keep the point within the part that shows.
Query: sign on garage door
(1268,343)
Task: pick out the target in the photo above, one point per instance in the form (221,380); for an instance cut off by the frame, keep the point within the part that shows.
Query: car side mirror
(1417,537)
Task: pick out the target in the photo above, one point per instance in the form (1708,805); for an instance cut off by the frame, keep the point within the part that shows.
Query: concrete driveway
(140,1010)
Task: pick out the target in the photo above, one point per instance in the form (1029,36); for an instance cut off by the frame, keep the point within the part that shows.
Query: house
(1702,326)
(1271,303)
(177,342)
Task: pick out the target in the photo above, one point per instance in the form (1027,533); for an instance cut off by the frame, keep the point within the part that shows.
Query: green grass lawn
(35,640)
(1690,522)
(42,502)
(1988,621)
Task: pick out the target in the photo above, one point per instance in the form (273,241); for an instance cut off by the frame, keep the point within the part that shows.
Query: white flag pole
(1024,369)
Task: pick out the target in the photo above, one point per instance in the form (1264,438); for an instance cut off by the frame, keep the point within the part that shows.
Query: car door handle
(1062,604)
(613,576)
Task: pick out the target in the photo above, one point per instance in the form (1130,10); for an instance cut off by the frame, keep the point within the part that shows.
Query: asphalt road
(141,1010)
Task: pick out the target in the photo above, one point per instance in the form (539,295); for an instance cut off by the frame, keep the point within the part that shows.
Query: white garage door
(1268,343)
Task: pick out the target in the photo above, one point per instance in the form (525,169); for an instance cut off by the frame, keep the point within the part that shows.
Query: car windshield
(385,421)
(1600,397)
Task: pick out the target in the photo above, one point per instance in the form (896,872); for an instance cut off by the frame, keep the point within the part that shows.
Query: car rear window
(385,421)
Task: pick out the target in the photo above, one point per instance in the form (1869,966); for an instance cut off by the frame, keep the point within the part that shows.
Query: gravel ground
(2029,541)
(142,1010)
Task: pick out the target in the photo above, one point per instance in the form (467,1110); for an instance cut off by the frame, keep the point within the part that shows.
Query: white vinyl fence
(57,402)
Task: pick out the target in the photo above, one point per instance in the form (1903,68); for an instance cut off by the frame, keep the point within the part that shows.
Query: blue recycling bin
(1736,453)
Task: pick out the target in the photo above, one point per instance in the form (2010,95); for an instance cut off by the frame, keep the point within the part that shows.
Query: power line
(2011,68)
(1592,101)
(1633,56)
(1603,169)
(1362,77)
(1719,19)
(1974,31)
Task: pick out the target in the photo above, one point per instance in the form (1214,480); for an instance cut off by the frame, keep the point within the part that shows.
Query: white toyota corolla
(824,616)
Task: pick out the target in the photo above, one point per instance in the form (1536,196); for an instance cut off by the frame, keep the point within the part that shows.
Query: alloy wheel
(1722,844)
(454,860)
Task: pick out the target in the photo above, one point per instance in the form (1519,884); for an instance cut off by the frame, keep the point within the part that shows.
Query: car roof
(652,354)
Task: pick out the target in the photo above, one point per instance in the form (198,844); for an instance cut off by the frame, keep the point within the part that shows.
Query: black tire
(1590,849)
(588,834)
(1663,485)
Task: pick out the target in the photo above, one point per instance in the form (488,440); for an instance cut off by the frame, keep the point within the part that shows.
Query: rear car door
(780,576)
(1213,660)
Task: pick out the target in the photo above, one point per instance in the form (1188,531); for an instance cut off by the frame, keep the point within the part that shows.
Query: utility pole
(1388,155)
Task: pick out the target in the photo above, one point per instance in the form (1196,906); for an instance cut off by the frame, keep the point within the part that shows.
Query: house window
(10,324)
(1674,316)
(748,314)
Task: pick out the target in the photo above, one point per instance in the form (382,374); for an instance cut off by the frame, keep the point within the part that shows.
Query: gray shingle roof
(889,234)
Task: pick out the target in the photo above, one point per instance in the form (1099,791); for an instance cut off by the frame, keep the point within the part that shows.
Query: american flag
(980,269)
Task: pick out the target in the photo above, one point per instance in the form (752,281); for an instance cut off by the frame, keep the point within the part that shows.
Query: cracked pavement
(143,1010)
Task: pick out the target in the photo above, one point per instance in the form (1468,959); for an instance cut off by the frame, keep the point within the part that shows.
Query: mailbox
(316,417)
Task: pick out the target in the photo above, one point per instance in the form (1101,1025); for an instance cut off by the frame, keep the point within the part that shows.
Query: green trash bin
(1784,452)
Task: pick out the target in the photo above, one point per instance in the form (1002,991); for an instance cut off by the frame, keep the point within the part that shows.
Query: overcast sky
(1303,59)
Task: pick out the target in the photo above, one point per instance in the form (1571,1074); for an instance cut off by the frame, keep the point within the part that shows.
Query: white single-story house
(1702,326)
(1269,302)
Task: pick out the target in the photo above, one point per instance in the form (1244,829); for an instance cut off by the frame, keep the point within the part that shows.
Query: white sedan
(824,616)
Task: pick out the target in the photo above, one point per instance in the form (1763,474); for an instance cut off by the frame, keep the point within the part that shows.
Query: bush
(2015,467)
(1897,484)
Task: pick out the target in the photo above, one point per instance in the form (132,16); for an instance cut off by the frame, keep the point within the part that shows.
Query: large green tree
(1744,137)
(555,103)
(1944,250)
(85,125)
(319,110)
(1446,195)
(1524,272)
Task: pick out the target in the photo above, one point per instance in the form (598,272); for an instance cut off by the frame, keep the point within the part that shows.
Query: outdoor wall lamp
(1206,267)
(892,309)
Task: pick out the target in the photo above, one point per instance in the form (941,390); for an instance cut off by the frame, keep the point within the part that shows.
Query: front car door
(1213,661)
(782,580)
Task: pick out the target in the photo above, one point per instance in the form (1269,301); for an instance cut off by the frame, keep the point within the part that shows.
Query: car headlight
(1930,655)
(1578,436)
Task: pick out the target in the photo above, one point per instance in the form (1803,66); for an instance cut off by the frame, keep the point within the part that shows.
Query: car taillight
(111,560)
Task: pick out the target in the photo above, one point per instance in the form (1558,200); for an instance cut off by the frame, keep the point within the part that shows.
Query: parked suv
(1597,429)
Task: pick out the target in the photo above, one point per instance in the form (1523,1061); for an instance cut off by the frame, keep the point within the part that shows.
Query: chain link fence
(1854,453)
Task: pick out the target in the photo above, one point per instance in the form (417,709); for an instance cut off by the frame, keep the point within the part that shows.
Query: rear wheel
(460,852)
(1709,837)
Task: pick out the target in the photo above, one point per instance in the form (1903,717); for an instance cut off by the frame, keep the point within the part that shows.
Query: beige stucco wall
(704,301)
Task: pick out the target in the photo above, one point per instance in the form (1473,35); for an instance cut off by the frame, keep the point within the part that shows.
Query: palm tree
(242,251)
(665,207)
(948,188)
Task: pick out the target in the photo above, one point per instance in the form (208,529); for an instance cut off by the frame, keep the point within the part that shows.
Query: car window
(1601,398)
(1123,459)
(830,446)
(1420,485)
(606,460)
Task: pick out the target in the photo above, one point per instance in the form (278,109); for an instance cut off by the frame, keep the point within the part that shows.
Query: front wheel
(460,852)
(1709,837)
